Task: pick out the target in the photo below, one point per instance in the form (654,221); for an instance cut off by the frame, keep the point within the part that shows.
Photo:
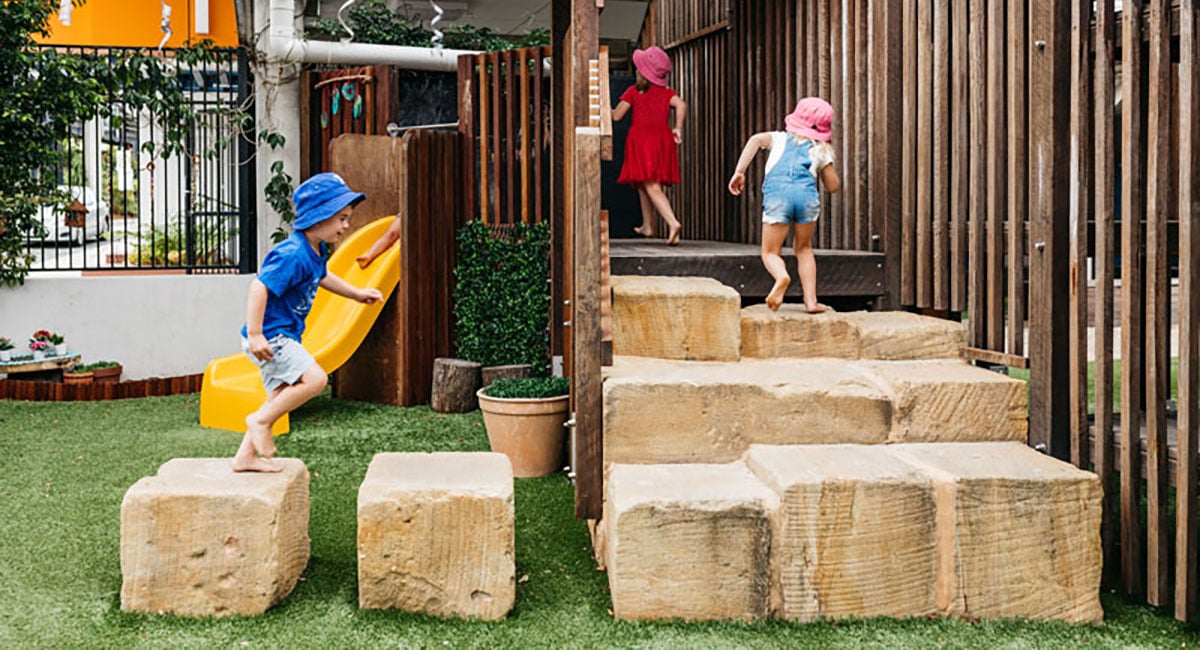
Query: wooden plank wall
(377,85)
(504,117)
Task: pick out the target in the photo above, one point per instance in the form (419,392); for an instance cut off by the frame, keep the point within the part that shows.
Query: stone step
(675,318)
(972,530)
(663,411)
(891,336)
(199,539)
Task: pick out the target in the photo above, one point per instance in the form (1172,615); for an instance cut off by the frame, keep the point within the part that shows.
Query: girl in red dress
(651,159)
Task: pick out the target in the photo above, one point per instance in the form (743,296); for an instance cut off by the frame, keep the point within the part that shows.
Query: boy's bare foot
(816,308)
(260,435)
(775,298)
(673,239)
(255,465)
(644,231)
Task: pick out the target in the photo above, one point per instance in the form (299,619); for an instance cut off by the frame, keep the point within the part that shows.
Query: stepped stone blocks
(854,534)
(890,336)
(675,318)
(435,534)
(903,336)
(688,541)
(199,539)
(952,401)
(659,411)
(1018,532)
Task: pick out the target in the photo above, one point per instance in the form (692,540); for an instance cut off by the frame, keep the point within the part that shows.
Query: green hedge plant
(502,296)
(528,388)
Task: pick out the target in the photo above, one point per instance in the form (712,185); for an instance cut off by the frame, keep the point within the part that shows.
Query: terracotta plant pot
(78,377)
(107,375)
(531,432)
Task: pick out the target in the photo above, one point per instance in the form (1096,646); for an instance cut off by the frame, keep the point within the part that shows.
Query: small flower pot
(60,349)
(38,355)
(78,377)
(531,432)
(5,355)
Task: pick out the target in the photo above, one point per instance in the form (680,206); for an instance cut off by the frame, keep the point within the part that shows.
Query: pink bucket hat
(813,119)
(654,64)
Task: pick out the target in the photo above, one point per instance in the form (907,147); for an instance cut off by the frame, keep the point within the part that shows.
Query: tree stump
(454,384)
(516,371)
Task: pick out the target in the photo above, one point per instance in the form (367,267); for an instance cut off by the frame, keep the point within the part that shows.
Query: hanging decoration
(64,12)
(166,25)
(438,35)
(349,32)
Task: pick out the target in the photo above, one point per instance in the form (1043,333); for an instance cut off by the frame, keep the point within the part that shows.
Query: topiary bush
(528,388)
(502,298)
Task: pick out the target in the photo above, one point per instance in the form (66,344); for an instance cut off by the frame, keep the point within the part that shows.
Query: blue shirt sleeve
(278,271)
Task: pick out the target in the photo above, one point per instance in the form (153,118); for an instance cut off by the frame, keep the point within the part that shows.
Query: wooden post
(585,329)
(886,143)
(1049,174)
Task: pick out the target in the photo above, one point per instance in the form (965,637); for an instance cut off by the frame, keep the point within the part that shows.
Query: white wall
(156,326)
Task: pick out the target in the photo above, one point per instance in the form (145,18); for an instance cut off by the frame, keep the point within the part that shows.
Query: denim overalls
(790,190)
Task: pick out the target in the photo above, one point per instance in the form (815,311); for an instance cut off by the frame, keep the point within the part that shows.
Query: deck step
(662,411)
(893,336)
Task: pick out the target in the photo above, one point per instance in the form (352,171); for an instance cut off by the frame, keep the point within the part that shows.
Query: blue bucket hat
(321,197)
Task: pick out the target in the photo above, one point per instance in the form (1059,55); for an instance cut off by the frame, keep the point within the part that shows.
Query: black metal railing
(190,211)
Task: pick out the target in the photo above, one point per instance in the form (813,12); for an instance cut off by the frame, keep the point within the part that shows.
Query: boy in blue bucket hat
(280,298)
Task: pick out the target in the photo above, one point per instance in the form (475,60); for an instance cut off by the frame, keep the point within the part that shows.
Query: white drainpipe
(284,46)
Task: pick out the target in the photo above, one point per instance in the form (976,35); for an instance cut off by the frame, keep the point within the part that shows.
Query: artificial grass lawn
(65,468)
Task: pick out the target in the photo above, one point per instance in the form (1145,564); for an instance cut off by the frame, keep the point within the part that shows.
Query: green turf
(65,468)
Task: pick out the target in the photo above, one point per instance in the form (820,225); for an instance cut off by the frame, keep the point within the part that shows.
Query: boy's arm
(619,112)
(680,107)
(256,306)
(737,182)
(342,288)
(384,242)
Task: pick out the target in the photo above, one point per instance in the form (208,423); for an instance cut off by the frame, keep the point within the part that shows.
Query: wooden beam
(586,334)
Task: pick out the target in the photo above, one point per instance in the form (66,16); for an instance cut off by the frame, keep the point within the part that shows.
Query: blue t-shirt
(292,273)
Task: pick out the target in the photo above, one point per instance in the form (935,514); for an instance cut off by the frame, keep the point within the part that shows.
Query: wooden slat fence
(347,100)
(504,117)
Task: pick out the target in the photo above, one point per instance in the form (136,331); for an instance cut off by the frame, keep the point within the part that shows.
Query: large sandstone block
(792,332)
(435,534)
(688,541)
(658,411)
(675,318)
(953,401)
(202,540)
(854,534)
(903,336)
(1018,532)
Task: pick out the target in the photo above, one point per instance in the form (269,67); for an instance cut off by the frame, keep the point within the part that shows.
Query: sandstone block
(794,333)
(199,539)
(953,401)
(854,534)
(675,318)
(688,541)
(435,534)
(1018,532)
(903,336)
(658,411)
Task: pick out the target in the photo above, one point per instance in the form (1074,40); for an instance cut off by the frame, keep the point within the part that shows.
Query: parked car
(54,217)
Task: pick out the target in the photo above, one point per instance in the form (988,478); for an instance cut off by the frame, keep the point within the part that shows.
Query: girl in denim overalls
(791,198)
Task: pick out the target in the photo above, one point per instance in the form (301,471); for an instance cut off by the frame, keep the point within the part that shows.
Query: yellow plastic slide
(335,328)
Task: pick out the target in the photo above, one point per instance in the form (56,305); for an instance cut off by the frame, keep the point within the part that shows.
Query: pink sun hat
(812,119)
(654,64)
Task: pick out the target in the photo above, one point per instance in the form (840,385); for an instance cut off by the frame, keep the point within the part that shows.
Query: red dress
(650,150)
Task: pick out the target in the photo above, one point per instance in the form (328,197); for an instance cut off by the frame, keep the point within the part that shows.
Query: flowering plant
(41,335)
(5,343)
(38,345)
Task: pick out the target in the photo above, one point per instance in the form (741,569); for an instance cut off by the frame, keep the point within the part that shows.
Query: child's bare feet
(775,298)
(815,308)
(644,231)
(255,465)
(260,435)
(673,239)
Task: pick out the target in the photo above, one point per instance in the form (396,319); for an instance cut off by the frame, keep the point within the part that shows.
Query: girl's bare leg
(663,205)
(647,227)
(806,264)
(773,237)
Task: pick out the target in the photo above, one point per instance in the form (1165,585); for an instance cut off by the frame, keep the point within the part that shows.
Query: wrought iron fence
(127,207)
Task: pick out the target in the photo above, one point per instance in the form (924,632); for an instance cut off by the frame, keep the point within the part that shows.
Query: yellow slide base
(335,328)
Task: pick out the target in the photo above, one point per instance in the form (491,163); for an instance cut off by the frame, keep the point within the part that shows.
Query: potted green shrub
(526,421)
(106,371)
(79,374)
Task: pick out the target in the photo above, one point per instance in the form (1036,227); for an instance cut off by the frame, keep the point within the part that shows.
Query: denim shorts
(289,362)
(788,203)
